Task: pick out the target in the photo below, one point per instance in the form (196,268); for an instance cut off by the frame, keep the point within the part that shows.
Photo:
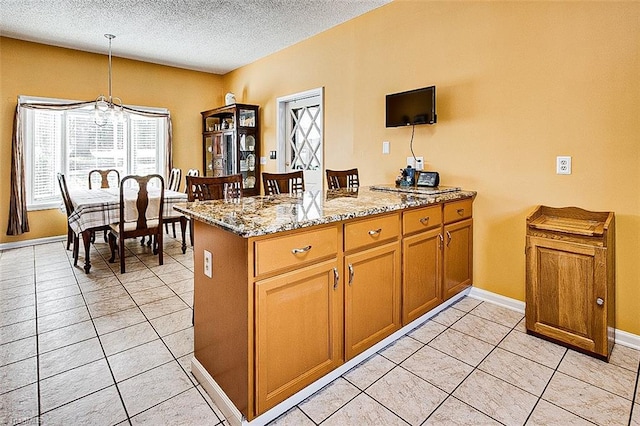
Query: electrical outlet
(410,162)
(419,163)
(563,165)
(208,263)
(385,147)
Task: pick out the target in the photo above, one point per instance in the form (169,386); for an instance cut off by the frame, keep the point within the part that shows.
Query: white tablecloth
(98,207)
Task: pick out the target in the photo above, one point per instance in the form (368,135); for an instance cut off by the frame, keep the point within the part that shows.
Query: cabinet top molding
(263,215)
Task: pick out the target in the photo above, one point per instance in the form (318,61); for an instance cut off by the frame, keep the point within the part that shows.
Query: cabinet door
(421,266)
(372,296)
(458,257)
(298,331)
(564,282)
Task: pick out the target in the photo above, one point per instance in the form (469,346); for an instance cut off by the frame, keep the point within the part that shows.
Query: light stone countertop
(262,215)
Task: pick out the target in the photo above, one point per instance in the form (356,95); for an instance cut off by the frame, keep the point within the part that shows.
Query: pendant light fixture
(108,107)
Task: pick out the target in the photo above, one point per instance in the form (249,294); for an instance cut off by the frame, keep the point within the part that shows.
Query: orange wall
(39,70)
(518,83)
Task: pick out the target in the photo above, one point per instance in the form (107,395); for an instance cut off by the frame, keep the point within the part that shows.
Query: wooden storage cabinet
(230,144)
(570,280)
(457,257)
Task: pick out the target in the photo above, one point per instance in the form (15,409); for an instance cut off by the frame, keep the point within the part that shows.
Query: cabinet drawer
(421,219)
(371,231)
(295,250)
(457,210)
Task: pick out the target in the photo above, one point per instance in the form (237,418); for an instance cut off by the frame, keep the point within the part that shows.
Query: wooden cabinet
(570,284)
(230,144)
(457,257)
(298,331)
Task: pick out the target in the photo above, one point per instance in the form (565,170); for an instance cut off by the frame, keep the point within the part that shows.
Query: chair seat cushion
(131,226)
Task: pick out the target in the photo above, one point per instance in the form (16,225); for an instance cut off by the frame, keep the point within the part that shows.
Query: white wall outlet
(563,165)
(208,263)
(385,147)
(419,163)
(410,162)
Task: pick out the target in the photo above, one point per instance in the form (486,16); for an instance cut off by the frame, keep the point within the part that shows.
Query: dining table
(95,209)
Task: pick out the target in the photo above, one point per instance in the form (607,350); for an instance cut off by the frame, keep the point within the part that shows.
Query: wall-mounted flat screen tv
(412,107)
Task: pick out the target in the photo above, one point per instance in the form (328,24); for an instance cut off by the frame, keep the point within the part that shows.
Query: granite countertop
(262,215)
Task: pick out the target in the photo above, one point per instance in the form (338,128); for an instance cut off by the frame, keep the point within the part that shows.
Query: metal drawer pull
(375,231)
(424,220)
(350,274)
(301,250)
(449,238)
(336,278)
(460,212)
(600,301)
(441,241)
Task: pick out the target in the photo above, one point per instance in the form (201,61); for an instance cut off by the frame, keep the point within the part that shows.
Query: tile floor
(110,349)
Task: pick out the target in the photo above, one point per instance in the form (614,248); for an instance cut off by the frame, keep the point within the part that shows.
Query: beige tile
(59,305)
(521,326)
(481,328)
(105,294)
(587,401)
(455,412)
(182,286)
(170,323)
(427,331)
(466,304)
(73,384)
(519,371)
(111,306)
(173,276)
(612,378)
(17,302)
(406,395)
(533,348)
(65,336)
(138,359)
(327,400)
(134,275)
(437,368)
(127,338)
(187,298)
(163,307)
(119,320)
(152,294)
(209,401)
(185,363)
(17,350)
(186,408)
(10,280)
(69,357)
(401,349)
(100,408)
(635,417)
(19,405)
(21,314)
(180,343)
(499,314)
(461,346)
(16,291)
(363,410)
(545,414)
(448,316)
(98,284)
(496,398)
(368,371)
(625,357)
(153,387)
(144,284)
(62,319)
(18,374)
(293,417)
(17,331)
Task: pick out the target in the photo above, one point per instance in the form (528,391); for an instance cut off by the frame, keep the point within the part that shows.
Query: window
(69,141)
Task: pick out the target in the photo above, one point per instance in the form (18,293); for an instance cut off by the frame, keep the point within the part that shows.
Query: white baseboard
(32,242)
(623,338)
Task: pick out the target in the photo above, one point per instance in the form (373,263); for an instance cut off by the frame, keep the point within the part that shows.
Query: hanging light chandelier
(108,107)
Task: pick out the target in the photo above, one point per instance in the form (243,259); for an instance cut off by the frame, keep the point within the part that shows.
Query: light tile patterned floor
(110,348)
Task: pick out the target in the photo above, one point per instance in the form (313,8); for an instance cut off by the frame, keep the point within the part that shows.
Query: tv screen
(413,107)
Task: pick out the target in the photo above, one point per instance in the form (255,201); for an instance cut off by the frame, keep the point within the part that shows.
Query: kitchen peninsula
(289,288)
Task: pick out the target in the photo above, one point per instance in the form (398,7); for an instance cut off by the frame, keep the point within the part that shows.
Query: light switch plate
(385,147)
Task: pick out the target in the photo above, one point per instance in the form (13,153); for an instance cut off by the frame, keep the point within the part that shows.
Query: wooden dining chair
(139,216)
(342,179)
(282,183)
(190,172)
(101,176)
(175,176)
(200,188)
(72,237)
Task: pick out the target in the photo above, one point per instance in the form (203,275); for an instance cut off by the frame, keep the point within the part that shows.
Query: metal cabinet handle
(350,274)
(424,220)
(336,278)
(440,243)
(301,250)
(460,212)
(600,301)
(375,231)
(449,238)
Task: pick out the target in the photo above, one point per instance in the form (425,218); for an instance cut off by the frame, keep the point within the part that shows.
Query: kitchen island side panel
(221,306)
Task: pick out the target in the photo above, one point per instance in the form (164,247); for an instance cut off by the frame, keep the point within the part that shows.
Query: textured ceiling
(206,35)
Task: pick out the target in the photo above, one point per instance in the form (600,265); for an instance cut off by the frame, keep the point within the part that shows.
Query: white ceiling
(205,35)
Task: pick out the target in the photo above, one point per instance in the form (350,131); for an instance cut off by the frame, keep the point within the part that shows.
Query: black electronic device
(412,107)
(430,179)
